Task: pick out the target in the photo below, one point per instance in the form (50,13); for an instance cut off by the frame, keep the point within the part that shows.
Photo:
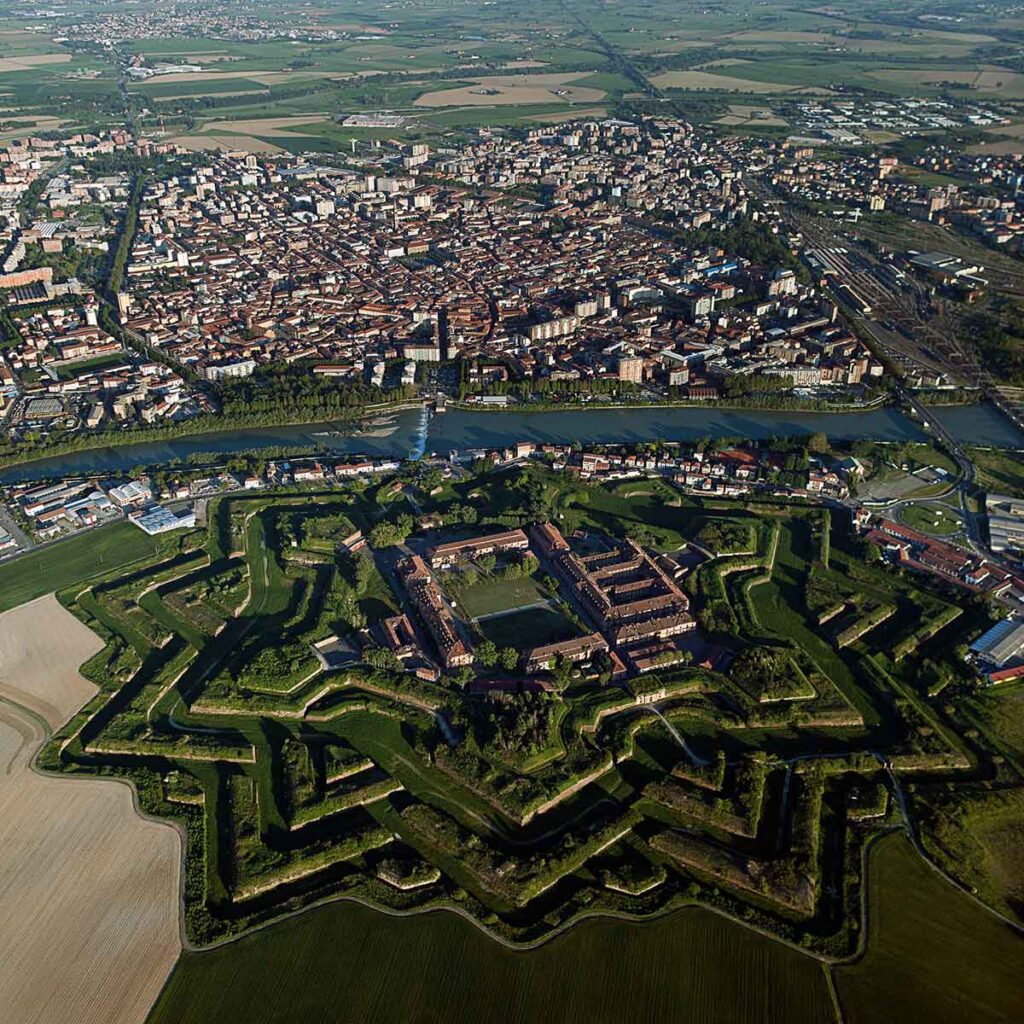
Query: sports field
(494,596)
(528,628)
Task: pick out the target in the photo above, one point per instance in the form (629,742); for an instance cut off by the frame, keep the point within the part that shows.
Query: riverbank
(201,426)
(735,405)
(372,422)
(282,440)
(414,434)
(375,416)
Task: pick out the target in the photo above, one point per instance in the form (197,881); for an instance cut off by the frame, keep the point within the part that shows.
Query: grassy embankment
(999,472)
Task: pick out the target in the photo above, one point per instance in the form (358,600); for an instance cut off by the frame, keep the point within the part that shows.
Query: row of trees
(546,387)
(293,390)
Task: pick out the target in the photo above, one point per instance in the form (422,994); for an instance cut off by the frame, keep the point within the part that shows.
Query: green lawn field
(528,628)
(343,963)
(933,519)
(72,561)
(498,596)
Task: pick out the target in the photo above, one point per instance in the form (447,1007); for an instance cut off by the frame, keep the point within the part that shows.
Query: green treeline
(290,391)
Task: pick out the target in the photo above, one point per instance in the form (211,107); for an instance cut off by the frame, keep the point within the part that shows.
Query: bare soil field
(193,95)
(263,77)
(512,90)
(39,124)
(956,37)
(89,891)
(268,125)
(354,26)
(771,36)
(1007,147)
(725,62)
(568,115)
(31,60)
(667,48)
(724,83)
(745,114)
(225,143)
(882,136)
(1006,139)
(196,57)
(41,646)
(1013,131)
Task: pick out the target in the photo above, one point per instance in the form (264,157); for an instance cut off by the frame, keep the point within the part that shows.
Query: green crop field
(344,962)
(71,561)
(932,954)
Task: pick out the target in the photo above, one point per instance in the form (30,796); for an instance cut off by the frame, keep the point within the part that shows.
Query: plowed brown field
(89,891)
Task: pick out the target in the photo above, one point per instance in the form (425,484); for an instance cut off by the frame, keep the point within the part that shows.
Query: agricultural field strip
(100,958)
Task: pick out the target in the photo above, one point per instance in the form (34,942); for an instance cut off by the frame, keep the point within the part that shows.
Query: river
(409,434)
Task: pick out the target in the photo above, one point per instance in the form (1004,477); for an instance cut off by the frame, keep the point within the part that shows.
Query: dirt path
(89,890)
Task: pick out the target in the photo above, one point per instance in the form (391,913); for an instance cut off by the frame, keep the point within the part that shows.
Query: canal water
(411,434)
